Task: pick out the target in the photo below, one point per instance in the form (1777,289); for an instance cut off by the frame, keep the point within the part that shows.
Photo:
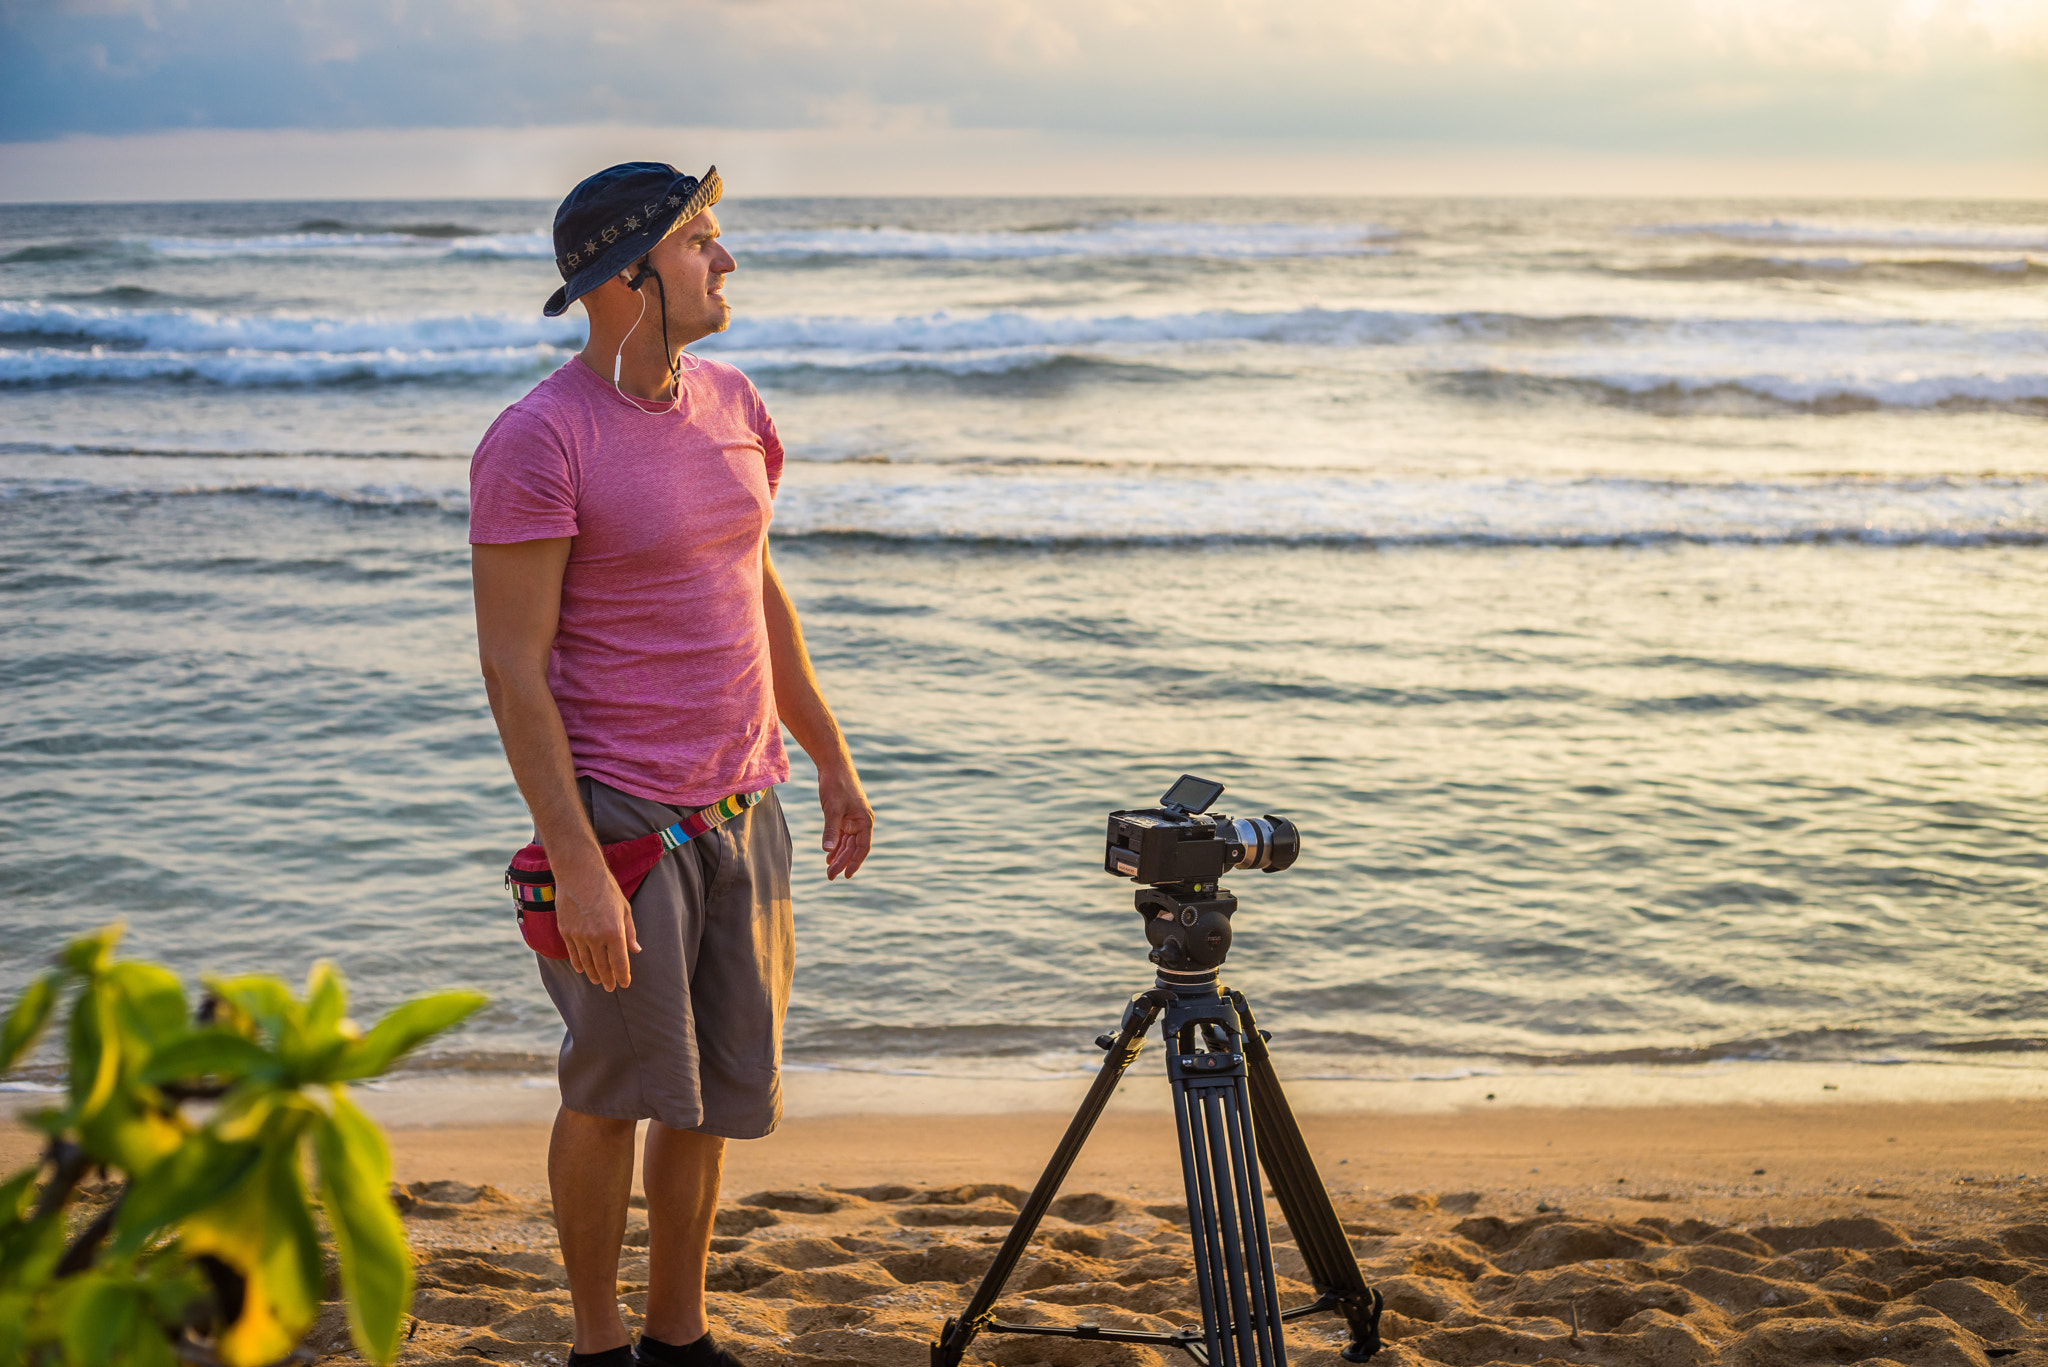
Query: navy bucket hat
(615,217)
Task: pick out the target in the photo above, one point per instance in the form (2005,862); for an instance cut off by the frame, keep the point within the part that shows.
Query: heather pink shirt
(660,666)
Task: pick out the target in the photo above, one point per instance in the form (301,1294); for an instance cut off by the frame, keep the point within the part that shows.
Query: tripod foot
(944,1352)
(1362,1348)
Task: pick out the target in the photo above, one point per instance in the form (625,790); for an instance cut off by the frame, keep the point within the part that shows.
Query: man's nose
(725,265)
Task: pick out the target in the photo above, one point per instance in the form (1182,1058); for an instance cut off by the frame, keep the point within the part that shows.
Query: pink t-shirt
(660,666)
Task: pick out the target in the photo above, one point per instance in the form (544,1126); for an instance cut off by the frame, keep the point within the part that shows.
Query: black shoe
(705,1352)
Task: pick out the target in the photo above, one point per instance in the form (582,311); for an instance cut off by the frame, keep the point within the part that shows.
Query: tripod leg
(1211,1259)
(1304,1201)
(1250,1277)
(1123,1051)
(1220,1164)
(1258,1246)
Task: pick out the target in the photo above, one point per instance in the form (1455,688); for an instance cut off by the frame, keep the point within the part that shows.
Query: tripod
(1232,1117)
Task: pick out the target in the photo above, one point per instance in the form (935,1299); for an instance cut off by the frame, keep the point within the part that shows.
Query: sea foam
(939,502)
(2032,238)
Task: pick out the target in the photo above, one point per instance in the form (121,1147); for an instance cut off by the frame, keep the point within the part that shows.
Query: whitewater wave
(1167,504)
(195,329)
(236,366)
(947,332)
(1815,363)
(423,245)
(209,330)
(1030,507)
(2015,270)
(2029,238)
(1904,387)
(1223,241)
(1135,238)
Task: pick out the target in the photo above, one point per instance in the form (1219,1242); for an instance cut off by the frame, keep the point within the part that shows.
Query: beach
(1861,1238)
(1914,1233)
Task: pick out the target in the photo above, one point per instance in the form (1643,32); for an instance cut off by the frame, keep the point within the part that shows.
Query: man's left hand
(849,821)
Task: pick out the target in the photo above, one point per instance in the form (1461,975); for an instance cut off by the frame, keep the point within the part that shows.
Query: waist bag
(533,882)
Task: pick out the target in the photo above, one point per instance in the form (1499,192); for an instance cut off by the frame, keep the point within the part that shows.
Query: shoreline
(1693,1154)
(463,1096)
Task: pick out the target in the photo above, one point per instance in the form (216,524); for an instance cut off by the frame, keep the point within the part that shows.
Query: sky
(124,99)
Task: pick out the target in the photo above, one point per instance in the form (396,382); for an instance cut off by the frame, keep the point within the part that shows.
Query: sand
(1915,1234)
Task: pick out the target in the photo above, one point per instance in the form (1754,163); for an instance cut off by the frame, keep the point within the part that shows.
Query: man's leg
(590,1176)
(680,1173)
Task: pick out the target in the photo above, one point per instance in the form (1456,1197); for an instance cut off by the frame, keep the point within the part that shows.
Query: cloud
(889,159)
(1925,79)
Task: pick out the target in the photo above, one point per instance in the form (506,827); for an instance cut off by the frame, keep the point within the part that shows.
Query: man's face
(693,266)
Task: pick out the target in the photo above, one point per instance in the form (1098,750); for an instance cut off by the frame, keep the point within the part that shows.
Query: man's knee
(694,1143)
(597,1127)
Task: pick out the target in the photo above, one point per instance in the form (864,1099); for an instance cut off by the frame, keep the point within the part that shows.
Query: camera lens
(1270,842)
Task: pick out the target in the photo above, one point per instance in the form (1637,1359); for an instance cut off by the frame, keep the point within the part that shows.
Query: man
(639,652)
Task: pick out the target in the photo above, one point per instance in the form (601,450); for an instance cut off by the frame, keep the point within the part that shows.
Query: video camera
(1180,852)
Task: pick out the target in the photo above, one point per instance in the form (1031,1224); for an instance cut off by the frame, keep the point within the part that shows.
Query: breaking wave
(420,244)
(236,366)
(2030,238)
(1935,271)
(1109,505)
(209,330)
(1218,240)
(1821,364)
(1223,241)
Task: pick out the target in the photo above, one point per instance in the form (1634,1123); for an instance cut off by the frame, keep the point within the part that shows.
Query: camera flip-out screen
(1191,794)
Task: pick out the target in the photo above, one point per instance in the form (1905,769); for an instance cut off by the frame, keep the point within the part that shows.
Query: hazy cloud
(1805,77)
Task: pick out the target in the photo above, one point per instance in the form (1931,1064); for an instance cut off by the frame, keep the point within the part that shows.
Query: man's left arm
(849,821)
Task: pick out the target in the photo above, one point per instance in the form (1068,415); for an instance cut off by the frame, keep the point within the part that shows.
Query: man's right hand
(596,922)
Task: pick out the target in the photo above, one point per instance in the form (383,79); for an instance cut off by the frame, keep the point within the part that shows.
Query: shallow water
(1642,621)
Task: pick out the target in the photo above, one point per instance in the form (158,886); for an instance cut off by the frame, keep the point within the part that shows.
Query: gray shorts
(696,1041)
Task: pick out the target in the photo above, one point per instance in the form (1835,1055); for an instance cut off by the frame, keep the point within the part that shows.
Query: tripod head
(1180,852)
(1188,927)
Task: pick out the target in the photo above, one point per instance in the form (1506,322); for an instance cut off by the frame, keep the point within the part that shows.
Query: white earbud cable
(618,364)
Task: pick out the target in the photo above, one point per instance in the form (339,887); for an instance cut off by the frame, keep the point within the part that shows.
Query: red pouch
(533,882)
(533,887)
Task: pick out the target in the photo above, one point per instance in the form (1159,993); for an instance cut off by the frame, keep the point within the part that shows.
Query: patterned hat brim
(629,245)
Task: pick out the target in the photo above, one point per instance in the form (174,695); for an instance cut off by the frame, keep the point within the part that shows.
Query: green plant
(208,1251)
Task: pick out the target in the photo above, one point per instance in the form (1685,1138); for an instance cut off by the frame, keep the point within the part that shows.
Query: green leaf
(15,1309)
(404,1029)
(131,1132)
(263,1229)
(88,954)
(20,1240)
(326,1001)
(376,1267)
(211,1053)
(95,1051)
(29,1248)
(149,1000)
(14,1195)
(202,1171)
(98,1316)
(26,1021)
(266,1001)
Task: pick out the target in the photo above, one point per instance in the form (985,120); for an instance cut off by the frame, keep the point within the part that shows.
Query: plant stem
(79,1256)
(71,1163)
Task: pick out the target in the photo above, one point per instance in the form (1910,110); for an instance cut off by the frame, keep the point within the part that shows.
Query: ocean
(1638,605)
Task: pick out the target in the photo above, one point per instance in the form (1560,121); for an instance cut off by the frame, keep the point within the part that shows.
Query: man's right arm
(518,607)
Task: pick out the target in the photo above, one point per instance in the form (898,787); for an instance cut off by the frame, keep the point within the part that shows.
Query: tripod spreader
(1230,1114)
